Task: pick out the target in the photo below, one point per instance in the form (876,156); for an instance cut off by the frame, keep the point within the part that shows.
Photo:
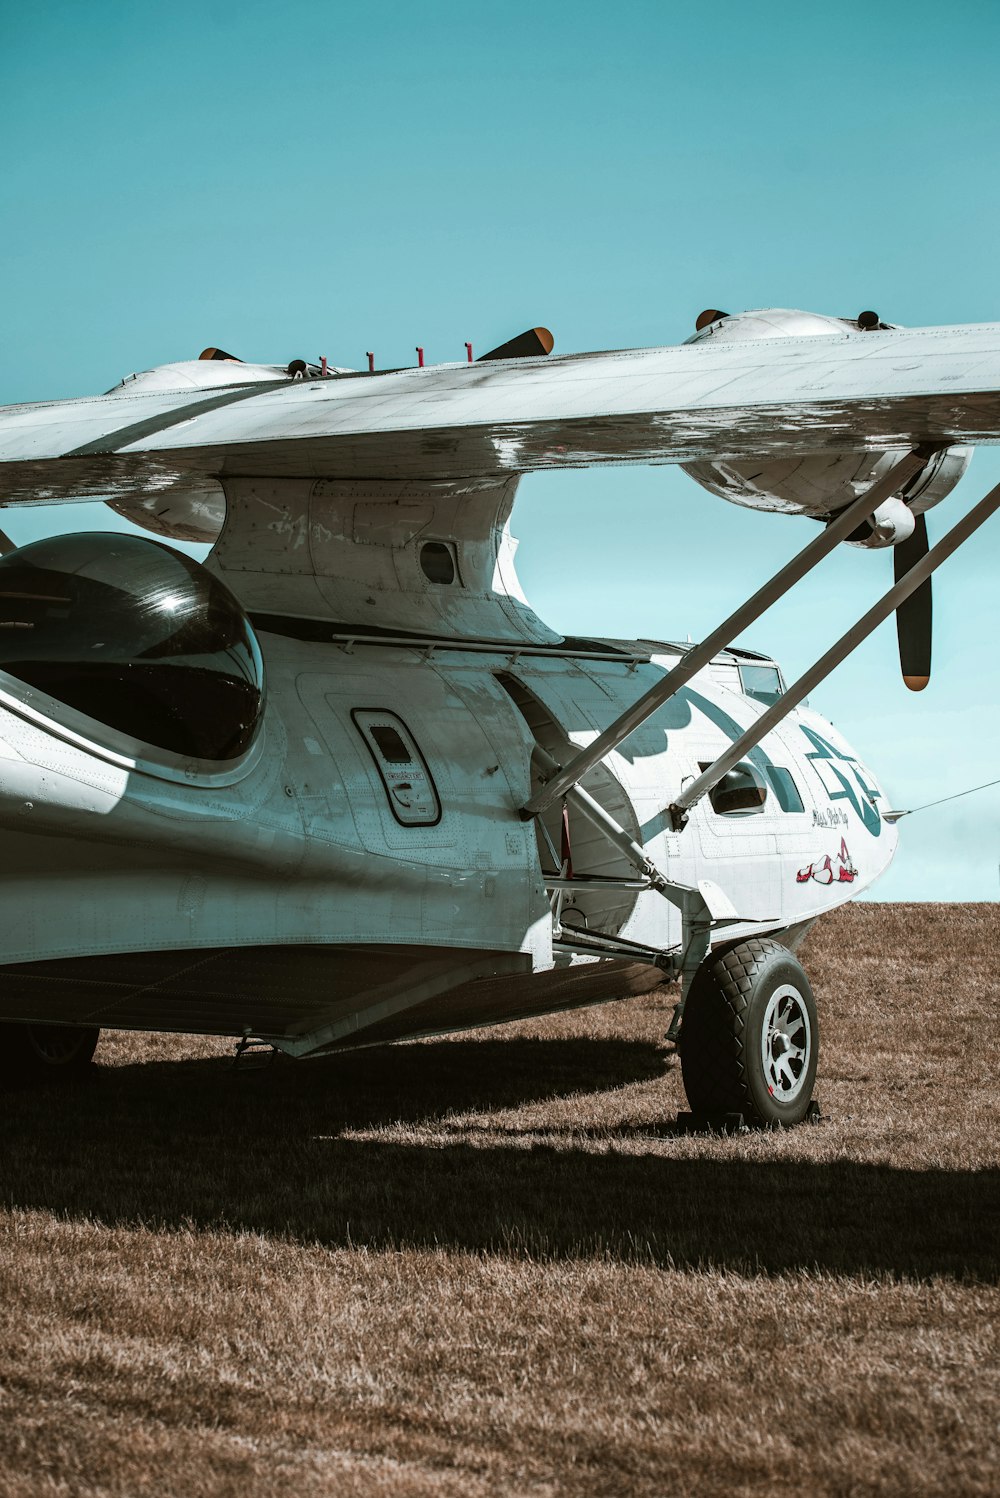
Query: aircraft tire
(45,1053)
(749,1039)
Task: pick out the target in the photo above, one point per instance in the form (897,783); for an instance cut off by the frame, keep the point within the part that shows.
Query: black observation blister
(136,635)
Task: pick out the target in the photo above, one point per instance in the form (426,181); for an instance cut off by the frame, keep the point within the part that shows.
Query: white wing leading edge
(716,399)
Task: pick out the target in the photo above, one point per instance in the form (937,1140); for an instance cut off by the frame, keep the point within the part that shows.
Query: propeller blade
(6,544)
(525,346)
(913,617)
(219,353)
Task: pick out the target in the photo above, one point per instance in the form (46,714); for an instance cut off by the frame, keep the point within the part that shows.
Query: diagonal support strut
(699,655)
(838,652)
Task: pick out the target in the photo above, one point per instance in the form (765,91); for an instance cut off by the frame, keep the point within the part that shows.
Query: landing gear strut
(749,1042)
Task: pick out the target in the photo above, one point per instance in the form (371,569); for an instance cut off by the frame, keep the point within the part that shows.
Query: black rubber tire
(722,1032)
(45,1053)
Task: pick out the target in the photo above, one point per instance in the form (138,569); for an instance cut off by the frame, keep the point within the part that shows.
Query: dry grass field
(488,1266)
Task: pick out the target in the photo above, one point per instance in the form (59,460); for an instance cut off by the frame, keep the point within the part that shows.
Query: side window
(438,562)
(741,792)
(784,788)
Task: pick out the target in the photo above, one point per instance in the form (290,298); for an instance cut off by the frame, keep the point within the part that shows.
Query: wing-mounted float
(342,784)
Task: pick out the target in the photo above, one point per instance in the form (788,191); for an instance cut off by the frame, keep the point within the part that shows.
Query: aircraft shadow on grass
(276,1151)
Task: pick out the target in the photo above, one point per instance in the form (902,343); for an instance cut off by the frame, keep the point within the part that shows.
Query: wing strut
(699,655)
(844,646)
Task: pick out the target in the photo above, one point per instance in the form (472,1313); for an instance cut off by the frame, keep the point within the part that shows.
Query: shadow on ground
(174,1143)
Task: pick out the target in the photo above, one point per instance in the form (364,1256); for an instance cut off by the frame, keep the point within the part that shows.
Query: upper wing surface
(712,400)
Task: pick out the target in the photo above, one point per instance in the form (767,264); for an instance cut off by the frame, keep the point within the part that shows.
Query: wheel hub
(786,1043)
(54,1044)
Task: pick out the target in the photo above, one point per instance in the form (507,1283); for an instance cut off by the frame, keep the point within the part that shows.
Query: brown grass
(487,1265)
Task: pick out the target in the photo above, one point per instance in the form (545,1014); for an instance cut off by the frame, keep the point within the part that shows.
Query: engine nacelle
(820,485)
(888,525)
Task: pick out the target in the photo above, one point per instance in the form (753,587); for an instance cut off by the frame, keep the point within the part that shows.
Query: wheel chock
(711,1123)
(734,1123)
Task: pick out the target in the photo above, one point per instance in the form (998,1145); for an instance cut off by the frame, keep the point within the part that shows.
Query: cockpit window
(135,635)
(762,683)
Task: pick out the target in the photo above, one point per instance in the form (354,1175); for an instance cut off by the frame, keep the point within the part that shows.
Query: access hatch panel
(409,785)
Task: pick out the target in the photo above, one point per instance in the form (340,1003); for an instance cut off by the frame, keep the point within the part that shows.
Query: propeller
(913,616)
(525,346)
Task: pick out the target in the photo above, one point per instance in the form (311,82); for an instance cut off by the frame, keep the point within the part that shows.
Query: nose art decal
(836,870)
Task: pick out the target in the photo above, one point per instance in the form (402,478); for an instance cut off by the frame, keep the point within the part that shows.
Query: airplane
(340,784)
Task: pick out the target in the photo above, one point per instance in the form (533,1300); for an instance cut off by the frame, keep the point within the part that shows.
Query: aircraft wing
(759,397)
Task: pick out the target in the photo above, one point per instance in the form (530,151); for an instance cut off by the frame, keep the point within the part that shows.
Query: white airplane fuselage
(305,897)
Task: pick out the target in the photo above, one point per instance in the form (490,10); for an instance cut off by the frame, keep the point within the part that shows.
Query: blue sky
(331,178)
